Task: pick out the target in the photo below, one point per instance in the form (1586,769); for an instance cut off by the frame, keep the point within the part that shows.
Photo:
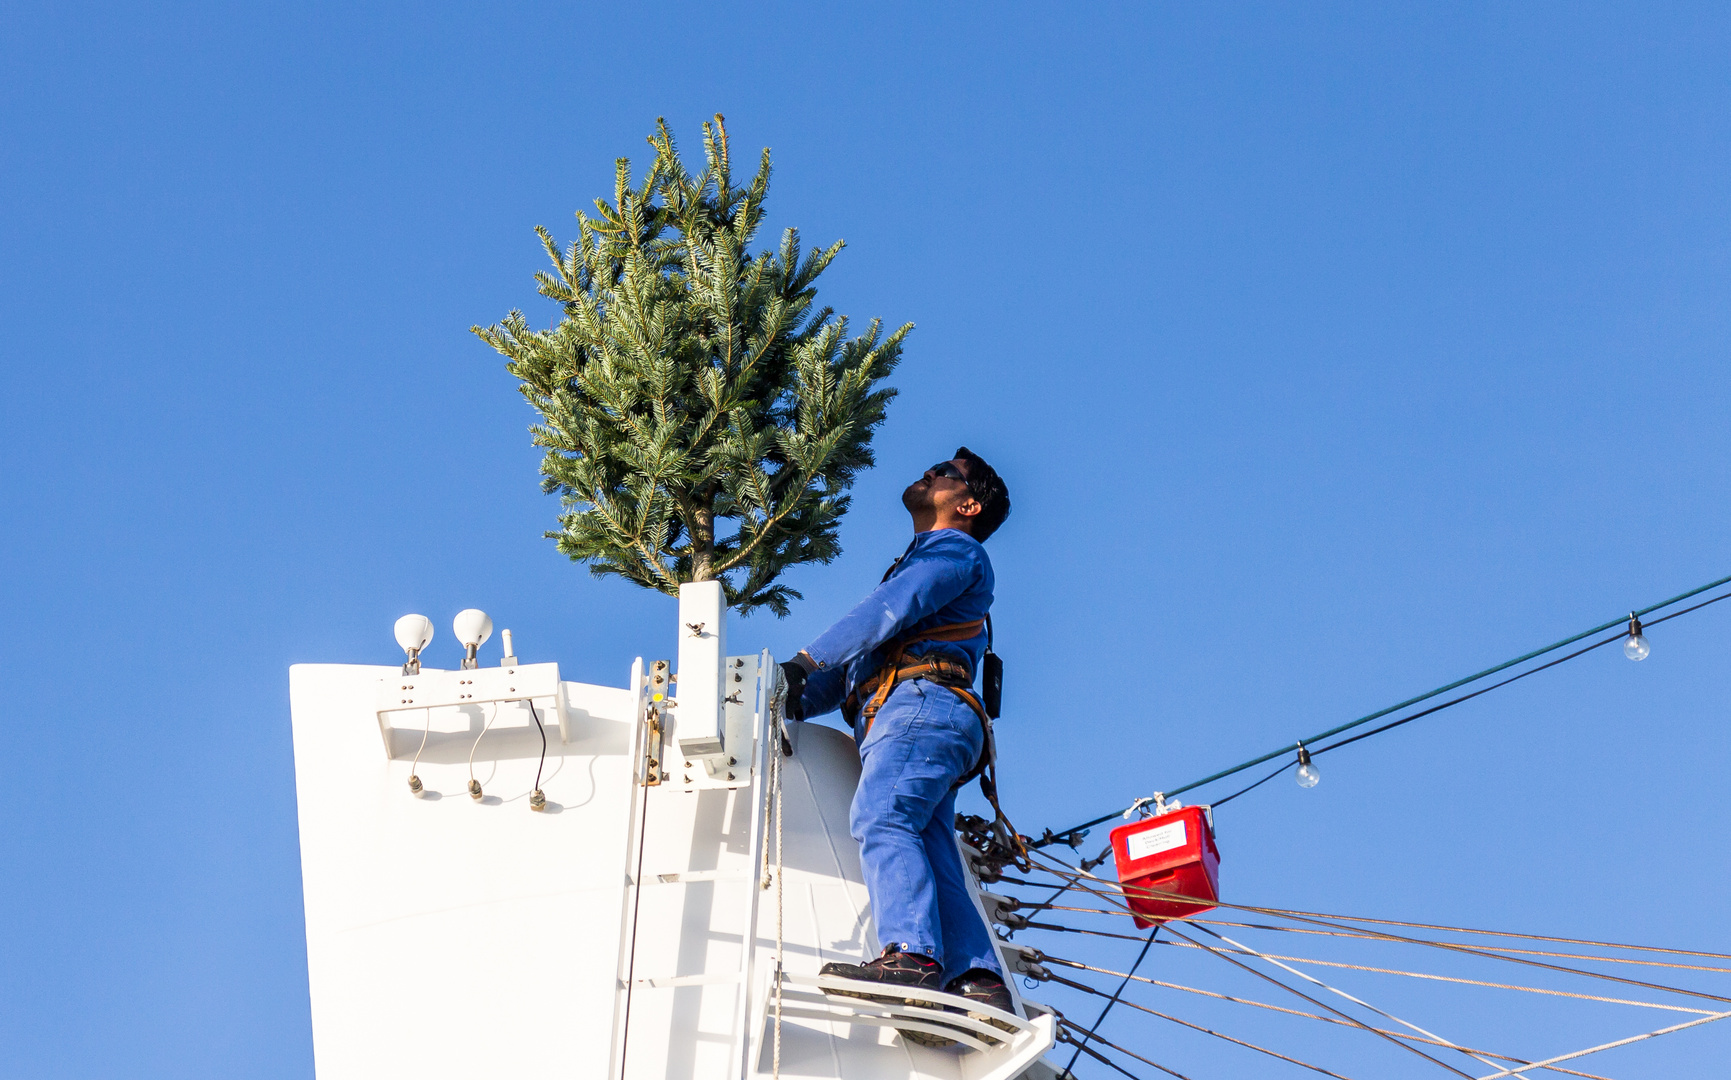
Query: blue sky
(1330,352)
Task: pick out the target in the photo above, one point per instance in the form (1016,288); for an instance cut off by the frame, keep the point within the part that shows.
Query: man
(901,666)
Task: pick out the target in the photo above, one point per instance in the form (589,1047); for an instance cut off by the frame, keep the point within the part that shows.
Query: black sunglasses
(947,469)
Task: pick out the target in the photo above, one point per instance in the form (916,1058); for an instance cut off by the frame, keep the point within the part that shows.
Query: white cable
(478,739)
(415,766)
(1607,1046)
(1342,993)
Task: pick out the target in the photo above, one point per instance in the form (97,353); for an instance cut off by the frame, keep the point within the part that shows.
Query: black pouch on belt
(991,677)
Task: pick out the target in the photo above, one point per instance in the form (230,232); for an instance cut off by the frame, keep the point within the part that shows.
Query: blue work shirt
(944,577)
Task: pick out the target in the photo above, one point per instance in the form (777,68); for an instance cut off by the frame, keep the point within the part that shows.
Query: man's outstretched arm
(927,580)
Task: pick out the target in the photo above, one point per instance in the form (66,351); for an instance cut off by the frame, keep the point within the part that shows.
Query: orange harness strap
(941,670)
(954,676)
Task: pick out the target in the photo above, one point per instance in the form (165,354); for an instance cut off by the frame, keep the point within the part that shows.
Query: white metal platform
(628,931)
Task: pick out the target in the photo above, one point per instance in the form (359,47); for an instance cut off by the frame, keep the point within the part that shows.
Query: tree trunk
(703,540)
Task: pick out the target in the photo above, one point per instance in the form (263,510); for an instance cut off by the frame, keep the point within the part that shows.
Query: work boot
(895,968)
(987,988)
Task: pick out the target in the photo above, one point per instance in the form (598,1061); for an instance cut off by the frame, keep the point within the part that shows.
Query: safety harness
(949,673)
(898,668)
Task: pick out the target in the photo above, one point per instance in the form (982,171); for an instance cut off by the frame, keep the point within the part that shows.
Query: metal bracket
(654,764)
(743,699)
(430,689)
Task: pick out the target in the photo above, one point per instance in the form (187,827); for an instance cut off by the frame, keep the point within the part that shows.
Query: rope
(773,793)
(1199,1027)
(1331,732)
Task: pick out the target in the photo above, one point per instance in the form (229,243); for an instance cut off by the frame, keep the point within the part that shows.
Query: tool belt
(870,695)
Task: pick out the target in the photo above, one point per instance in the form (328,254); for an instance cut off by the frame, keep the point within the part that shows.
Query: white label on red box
(1154,841)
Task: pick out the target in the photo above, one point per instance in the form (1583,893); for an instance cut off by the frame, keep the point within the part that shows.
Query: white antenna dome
(473,627)
(414,632)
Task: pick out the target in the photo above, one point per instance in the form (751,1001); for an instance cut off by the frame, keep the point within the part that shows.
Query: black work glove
(795,676)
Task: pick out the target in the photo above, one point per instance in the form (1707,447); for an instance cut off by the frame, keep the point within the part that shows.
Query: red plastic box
(1170,854)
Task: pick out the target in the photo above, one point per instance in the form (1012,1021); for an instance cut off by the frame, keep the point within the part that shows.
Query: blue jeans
(924,738)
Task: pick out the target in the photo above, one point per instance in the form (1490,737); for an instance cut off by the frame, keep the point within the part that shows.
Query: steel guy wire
(1450,946)
(1308,1015)
(1379,937)
(1065,1036)
(1324,1005)
(1108,1006)
(1348,1020)
(1607,1046)
(1498,933)
(1096,1037)
(1269,978)
(1246,951)
(1198,1027)
(1342,993)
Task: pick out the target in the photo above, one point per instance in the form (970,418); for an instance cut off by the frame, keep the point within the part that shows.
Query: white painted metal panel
(452,937)
(447,937)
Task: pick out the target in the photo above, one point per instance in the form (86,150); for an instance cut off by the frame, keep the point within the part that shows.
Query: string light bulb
(1308,773)
(1635,646)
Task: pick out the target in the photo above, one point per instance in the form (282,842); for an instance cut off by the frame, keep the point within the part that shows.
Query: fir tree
(702,419)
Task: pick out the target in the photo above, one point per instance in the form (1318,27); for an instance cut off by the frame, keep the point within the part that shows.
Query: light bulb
(1308,773)
(1635,646)
(413,633)
(473,627)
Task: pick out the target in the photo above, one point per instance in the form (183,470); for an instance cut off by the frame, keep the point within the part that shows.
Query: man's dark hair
(985,485)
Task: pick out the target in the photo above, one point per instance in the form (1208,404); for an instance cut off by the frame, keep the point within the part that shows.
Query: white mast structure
(632,927)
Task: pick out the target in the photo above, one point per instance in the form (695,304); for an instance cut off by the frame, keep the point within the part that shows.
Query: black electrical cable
(1143,955)
(1619,636)
(1103,1041)
(1465,697)
(543,730)
(1108,1062)
(1437,708)
(1222,802)
(1687,610)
